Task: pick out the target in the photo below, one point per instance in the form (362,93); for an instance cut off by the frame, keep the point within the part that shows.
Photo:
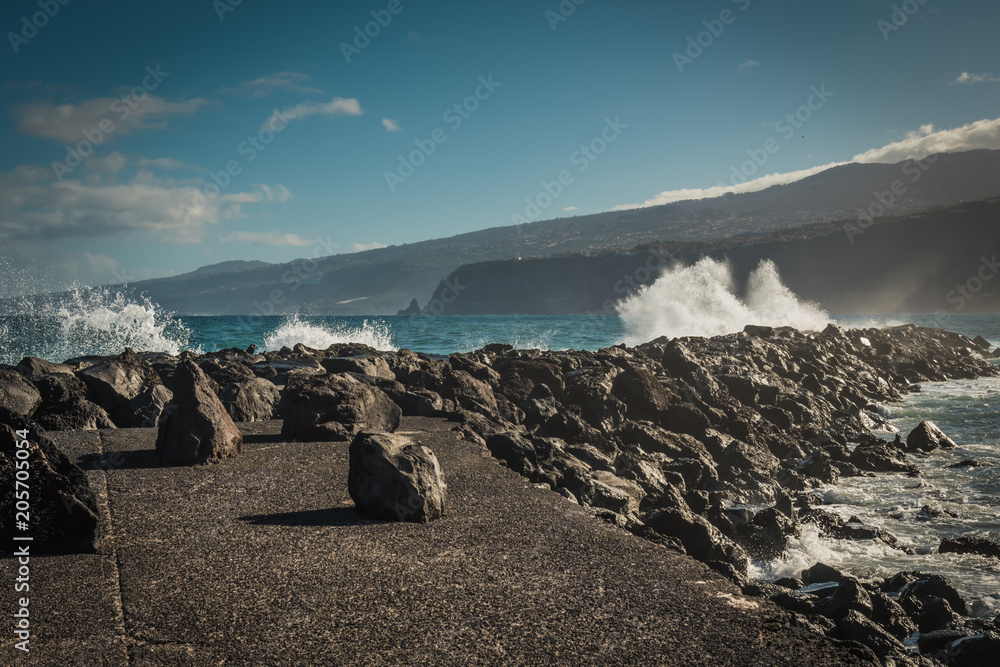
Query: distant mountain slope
(910,264)
(384,280)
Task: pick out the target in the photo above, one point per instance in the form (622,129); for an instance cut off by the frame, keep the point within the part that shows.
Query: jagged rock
(979,650)
(17,394)
(63,514)
(416,403)
(936,614)
(116,381)
(81,415)
(927,437)
(878,456)
(643,395)
(144,410)
(820,573)
(934,585)
(855,627)
(516,450)
(366,365)
(849,595)
(250,401)
(619,495)
(393,478)
(334,407)
(32,367)
(195,427)
(971,463)
(468,391)
(700,538)
(970,544)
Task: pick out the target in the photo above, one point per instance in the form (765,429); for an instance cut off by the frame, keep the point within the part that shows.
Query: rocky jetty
(707,446)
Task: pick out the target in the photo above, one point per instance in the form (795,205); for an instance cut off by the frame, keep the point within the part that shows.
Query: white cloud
(34,207)
(266,85)
(361,247)
(338,106)
(915,145)
(966,79)
(571,208)
(67,122)
(266,238)
(390,125)
(166,163)
(928,141)
(748,64)
(761,183)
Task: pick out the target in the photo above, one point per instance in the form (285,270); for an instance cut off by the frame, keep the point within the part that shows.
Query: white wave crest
(320,336)
(701,300)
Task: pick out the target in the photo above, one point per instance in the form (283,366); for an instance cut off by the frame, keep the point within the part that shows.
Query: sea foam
(319,335)
(701,300)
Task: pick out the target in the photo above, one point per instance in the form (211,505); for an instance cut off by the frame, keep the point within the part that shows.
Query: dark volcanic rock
(366,365)
(144,410)
(968,544)
(878,456)
(195,427)
(116,381)
(250,401)
(927,437)
(334,407)
(393,478)
(17,394)
(63,512)
(700,538)
(32,367)
(934,585)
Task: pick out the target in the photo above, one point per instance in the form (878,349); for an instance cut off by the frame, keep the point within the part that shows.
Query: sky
(145,139)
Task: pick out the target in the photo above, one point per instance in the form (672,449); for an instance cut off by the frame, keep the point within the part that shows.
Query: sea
(696,300)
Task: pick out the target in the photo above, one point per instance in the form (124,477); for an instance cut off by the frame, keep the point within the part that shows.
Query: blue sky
(639,102)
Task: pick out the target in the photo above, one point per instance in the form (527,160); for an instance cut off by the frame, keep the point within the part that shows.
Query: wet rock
(644,395)
(17,394)
(518,377)
(936,614)
(934,585)
(318,408)
(516,450)
(195,427)
(63,516)
(971,463)
(116,381)
(849,595)
(468,391)
(878,456)
(927,437)
(819,573)
(393,478)
(66,406)
(970,544)
(855,627)
(250,401)
(979,650)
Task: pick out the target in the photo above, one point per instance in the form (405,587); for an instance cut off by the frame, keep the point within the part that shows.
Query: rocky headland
(711,447)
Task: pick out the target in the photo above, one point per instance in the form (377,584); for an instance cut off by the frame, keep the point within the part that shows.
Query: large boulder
(395,479)
(66,405)
(876,455)
(144,410)
(334,407)
(31,367)
(250,401)
(195,427)
(116,381)
(927,437)
(701,539)
(63,514)
(17,394)
(366,365)
(970,544)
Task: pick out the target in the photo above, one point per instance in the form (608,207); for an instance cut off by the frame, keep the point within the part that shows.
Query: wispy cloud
(35,208)
(266,238)
(571,208)
(748,64)
(361,247)
(966,79)
(265,85)
(338,106)
(390,125)
(67,122)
